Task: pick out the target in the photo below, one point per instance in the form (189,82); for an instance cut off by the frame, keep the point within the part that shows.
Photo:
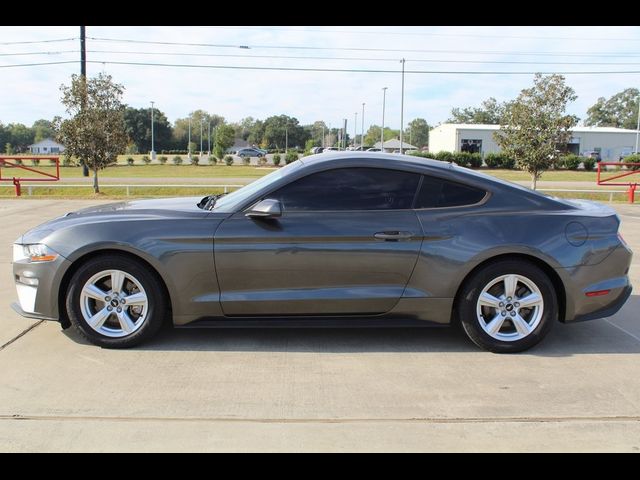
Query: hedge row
(500,160)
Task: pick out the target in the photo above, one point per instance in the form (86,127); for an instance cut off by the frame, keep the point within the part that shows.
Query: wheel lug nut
(513,314)
(516,304)
(502,304)
(508,299)
(107,299)
(504,314)
(109,308)
(123,301)
(119,310)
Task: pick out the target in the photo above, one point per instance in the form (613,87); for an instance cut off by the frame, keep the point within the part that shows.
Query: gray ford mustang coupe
(331,240)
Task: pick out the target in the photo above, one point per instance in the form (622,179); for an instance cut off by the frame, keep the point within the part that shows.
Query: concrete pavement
(315,390)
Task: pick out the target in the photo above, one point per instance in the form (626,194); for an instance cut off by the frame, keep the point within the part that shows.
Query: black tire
(151,284)
(466,312)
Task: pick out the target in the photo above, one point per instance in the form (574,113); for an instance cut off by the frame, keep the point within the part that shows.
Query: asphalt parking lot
(314,390)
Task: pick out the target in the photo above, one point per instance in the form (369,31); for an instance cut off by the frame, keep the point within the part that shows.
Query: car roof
(406,159)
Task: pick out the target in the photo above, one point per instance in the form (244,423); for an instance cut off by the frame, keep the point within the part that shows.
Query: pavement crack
(21,334)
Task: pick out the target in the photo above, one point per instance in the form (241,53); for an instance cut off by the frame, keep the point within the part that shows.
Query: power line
(300,57)
(40,41)
(426,34)
(38,53)
(356,70)
(366,49)
(38,64)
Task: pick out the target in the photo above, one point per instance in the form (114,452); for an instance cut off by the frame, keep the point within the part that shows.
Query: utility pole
(83,74)
(355,131)
(209,138)
(153,150)
(362,129)
(402,106)
(200,136)
(384,97)
(189,143)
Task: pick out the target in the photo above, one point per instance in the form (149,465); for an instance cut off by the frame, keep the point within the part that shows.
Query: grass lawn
(157,171)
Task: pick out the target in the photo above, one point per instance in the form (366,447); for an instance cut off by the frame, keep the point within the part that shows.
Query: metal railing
(631,169)
(14,165)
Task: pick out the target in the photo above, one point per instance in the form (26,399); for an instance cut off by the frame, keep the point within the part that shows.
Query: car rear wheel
(507,306)
(115,301)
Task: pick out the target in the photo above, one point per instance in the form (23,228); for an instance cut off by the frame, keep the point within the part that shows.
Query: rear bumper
(609,310)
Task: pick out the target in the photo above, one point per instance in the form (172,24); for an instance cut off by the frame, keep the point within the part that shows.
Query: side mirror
(267,208)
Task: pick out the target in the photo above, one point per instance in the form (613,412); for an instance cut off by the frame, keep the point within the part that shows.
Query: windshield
(233,200)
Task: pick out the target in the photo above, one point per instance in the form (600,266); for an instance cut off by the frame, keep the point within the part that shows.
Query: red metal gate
(631,169)
(13,165)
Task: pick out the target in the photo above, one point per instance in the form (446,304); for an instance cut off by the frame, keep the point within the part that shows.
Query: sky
(447,54)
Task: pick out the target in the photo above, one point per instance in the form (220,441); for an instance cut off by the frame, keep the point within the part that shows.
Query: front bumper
(37,285)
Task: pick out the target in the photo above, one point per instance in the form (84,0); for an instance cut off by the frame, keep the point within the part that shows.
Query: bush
(146,160)
(162,160)
(18,161)
(52,162)
(589,163)
(570,162)
(177,152)
(35,162)
(228,159)
(177,160)
(246,160)
(632,159)
(67,162)
(466,159)
(276,159)
(290,157)
(499,160)
(444,156)
(130,161)
(262,161)
(212,160)
(416,153)
(195,161)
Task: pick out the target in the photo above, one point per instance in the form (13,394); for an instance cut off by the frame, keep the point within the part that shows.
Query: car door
(346,243)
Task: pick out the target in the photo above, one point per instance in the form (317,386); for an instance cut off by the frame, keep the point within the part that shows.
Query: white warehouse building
(611,143)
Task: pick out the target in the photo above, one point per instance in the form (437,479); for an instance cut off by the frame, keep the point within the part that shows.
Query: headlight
(35,253)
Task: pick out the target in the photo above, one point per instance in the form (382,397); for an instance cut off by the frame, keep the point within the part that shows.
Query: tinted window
(436,193)
(350,189)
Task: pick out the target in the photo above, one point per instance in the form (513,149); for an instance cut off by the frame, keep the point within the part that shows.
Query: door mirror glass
(267,208)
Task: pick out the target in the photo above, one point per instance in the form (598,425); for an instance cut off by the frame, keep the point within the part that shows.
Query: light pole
(323,136)
(153,150)
(201,136)
(189,143)
(209,138)
(286,140)
(402,106)
(384,97)
(362,129)
(638,126)
(355,131)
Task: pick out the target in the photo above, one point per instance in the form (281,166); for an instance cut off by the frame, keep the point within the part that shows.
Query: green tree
(42,129)
(373,135)
(5,136)
(21,136)
(418,132)
(181,128)
(95,133)
(8,149)
(621,110)
(225,137)
(536,125)
(137,123)
(490,112)
(278,128)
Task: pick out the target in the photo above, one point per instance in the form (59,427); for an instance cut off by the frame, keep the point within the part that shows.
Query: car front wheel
(115,301)
(507,306)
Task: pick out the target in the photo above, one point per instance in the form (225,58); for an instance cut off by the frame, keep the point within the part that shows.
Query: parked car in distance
(593,154)
(251,152)
(357,239)
(330,149)
(373,149)
(315,150)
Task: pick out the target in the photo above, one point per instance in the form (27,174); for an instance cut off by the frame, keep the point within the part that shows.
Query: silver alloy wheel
(510,307)
(114,303)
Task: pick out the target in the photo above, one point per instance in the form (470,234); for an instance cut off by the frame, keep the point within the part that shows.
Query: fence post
(127,190)
(29,190)
(225,189)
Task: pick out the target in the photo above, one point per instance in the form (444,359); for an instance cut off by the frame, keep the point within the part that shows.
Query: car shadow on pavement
(593,337)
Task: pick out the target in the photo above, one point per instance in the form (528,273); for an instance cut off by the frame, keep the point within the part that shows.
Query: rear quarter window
(439,193)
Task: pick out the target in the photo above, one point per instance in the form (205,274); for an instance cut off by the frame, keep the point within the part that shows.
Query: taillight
(622,240)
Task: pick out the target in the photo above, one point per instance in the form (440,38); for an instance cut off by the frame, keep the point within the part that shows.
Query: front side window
(439,193)
(350,189)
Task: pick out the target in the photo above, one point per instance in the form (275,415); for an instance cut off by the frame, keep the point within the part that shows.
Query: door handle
(393,235)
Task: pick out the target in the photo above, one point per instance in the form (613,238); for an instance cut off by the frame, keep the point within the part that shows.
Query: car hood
(135,210)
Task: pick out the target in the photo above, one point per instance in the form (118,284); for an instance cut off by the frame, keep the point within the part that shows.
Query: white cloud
(29,93)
